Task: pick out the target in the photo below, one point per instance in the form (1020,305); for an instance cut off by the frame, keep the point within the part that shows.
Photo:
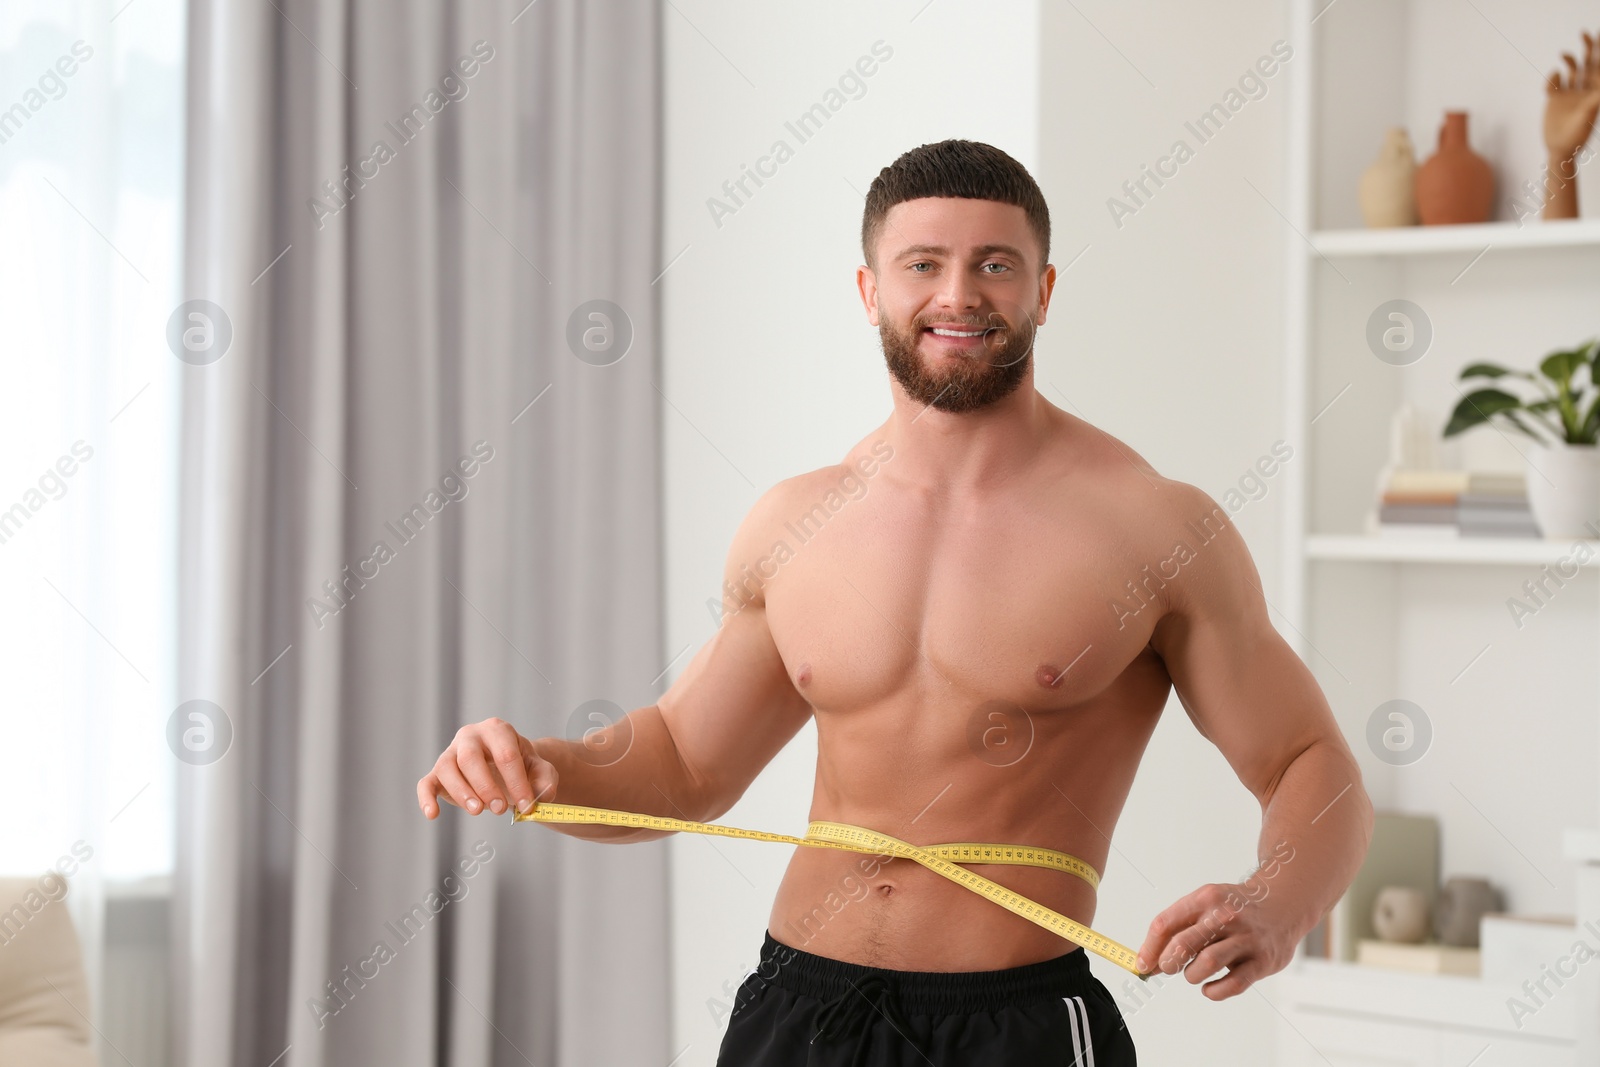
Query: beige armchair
(42,984)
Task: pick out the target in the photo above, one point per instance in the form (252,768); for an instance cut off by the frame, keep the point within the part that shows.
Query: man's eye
(1002,266)
(920,263)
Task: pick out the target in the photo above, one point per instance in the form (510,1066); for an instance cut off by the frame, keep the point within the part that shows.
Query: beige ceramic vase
(1388,188)
(1400,913)
(1455,185)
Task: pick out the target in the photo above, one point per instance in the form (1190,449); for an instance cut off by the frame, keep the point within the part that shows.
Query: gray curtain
(394,311)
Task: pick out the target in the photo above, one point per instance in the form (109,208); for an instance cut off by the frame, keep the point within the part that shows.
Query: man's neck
(969,450)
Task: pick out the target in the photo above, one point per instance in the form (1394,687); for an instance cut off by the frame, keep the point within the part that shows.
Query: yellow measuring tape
(941,859)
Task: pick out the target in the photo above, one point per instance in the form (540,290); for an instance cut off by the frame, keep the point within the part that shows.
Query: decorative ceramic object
(1388,192)
(1400,913)
(1564,489)
(1462,904)
(1456,184)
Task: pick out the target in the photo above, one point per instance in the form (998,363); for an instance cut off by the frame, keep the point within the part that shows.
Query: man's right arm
(690,755)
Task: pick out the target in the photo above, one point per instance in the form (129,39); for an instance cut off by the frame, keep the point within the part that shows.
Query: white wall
(1166,333)
(770,363)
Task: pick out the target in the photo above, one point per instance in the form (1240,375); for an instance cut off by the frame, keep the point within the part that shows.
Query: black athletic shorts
(798,1009)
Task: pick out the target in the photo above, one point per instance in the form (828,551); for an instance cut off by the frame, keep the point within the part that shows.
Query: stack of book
(1496,505)
(1430,957)
(1447,503)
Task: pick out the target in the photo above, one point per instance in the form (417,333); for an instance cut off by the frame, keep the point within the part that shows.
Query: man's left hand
(1221,925)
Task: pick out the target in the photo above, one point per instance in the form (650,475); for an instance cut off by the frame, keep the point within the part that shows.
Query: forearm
(631,765)
(1320,810)
(1561,186)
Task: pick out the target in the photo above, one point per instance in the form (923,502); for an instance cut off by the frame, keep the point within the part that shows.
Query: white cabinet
(1341,1013)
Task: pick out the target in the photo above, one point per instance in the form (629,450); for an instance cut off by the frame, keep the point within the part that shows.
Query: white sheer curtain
(91,152)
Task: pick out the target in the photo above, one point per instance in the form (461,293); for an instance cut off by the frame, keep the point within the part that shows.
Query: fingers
(1214,957)
(428,789)
(1239,978)
(455,784)
(505,748)
(1178,917)
(1185,948)
(480,776)
(1579,76)
(544,774)
(488,766)
(1156,940)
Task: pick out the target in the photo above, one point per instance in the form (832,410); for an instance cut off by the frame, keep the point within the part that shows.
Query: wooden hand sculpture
(1569,116)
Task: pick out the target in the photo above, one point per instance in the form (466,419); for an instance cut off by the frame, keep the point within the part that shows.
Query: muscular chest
(1010,603)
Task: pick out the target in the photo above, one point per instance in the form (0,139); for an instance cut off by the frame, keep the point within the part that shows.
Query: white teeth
(958,333)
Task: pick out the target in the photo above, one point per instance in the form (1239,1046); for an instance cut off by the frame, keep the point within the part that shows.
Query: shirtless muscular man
(1014,574)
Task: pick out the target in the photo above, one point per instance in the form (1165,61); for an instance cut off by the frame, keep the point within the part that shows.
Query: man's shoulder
(828,487)
(1105,458)
(1174,526)
(1203,556)
(1144,496)
(846,479)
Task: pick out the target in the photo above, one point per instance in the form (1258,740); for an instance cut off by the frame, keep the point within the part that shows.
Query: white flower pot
(1564,490)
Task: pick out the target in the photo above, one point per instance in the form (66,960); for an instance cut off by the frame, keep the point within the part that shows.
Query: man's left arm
(1249,694)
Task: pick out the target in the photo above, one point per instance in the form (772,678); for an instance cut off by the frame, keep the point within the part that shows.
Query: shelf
(1438,240)
(1518,551)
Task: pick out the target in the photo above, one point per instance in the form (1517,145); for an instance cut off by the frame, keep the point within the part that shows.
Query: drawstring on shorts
(848,1014)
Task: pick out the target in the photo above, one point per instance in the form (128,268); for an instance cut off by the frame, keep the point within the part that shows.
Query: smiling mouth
(960,337)
(958,331)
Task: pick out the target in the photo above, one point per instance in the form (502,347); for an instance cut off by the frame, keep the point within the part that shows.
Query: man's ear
(867,284)
(1047,285)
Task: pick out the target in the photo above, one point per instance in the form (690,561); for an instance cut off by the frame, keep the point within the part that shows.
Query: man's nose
(960,291)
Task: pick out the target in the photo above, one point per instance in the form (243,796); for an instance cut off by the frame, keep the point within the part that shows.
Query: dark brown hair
(969,169)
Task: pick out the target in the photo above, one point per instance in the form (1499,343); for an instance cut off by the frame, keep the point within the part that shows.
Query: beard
(969,382)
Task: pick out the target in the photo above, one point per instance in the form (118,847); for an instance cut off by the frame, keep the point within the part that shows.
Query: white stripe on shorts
(1082,1046)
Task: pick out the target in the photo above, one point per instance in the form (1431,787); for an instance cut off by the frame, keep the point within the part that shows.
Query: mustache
(995,321)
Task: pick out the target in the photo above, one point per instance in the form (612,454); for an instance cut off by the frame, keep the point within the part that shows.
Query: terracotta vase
(1456,184)
(1388,192)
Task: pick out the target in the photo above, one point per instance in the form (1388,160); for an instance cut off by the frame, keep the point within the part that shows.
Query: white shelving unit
(1512,774)
(1508,551)
(1440,240)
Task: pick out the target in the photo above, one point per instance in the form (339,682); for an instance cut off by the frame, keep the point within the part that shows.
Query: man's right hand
(488,765)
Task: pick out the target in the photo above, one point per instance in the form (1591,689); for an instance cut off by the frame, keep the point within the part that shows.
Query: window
(91,175)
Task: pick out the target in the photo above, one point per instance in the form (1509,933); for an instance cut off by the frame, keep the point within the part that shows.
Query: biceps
(733,708)
(1249,694)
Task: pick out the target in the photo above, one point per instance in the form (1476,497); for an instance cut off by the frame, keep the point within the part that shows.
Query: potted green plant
(1563,468)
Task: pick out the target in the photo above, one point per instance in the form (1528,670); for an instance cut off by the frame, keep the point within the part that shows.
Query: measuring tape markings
(941,859)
